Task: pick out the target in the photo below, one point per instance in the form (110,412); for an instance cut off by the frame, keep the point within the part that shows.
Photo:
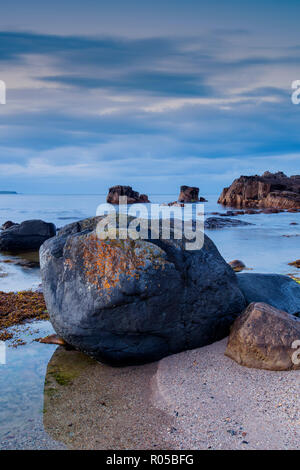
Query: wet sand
(88,405)
(197,399)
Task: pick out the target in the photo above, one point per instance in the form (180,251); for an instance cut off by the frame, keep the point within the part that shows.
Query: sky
(149,94)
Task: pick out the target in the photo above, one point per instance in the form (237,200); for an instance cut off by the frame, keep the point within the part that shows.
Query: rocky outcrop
(126,301)
(27,236)
(24,263)
(295,263)
(133,197)
(188,194)
(237,265)
(219,222)
(271,190)
(281,292)
(264,337)
(8,224)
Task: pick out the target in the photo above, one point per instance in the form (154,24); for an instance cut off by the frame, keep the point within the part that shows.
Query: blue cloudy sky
(152,94)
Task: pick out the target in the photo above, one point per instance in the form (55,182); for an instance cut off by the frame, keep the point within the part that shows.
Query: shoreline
(173,404)
(165,405)
(103,407)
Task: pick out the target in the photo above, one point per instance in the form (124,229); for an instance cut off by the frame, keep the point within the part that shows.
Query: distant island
(8,192)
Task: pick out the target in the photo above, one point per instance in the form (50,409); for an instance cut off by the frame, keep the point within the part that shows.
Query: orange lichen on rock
(19,307)
(105,261)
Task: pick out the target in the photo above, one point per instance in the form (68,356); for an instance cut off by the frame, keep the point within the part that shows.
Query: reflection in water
(88,405)
(21,390)
(19,272)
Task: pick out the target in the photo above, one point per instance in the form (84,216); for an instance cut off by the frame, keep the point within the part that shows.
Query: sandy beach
(197,399)
(102,407)
(219,404)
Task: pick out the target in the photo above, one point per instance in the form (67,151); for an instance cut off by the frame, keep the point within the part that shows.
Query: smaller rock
(53,339)
(188,194)
(24,263)
(272,211)
(231,213)
(218,222)
(8,224)
(133,197)
(176,204)
(27,263)
(251,212)
(275,289)
(237,265)
(27,236)
(263,337)
(295,263)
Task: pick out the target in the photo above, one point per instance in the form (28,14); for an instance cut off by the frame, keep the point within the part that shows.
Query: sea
(266,246)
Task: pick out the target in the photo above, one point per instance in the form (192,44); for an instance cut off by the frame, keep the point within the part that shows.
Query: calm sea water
(266,246)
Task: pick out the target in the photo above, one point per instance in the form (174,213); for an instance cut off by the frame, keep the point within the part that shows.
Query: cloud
(162,83)
(109,51)
(110,109)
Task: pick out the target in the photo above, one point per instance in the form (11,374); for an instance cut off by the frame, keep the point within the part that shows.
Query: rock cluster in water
(271,190)
(188,194)
(7,225)
(27,236)
(219,222)
(133,197)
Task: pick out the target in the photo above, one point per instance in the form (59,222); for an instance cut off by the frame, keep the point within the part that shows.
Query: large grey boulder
(27,236)
(126,301)
(281,292)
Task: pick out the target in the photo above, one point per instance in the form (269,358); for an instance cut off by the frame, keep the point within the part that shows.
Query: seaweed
(20,307)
